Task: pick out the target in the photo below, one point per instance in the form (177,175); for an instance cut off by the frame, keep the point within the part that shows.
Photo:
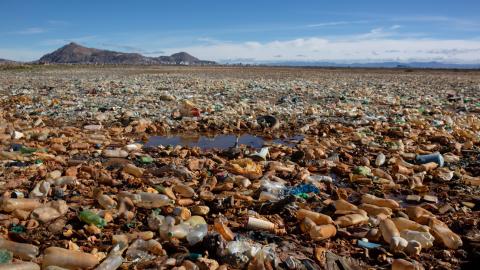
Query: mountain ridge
(73,53)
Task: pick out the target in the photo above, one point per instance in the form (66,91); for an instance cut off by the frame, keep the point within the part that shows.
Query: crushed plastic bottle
(92,218)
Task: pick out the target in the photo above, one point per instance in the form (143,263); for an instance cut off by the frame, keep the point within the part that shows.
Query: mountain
(391,64)
(5,61)
(74,53)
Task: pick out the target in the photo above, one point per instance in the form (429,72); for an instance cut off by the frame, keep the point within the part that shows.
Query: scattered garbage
(109,168)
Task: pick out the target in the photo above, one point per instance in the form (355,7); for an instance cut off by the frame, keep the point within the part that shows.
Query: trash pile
(385,173)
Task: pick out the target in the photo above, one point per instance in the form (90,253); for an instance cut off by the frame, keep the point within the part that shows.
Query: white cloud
(335,23)
(376,45)
(32,31)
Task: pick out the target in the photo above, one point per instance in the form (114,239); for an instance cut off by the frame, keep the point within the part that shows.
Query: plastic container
(111,263)
(388,230)
(322,232)
(351,220)
(20,250)
(401,264)
(260,224)
(444,235)
(197,234)
(152,200)
(179,231)
(106,201)
(10,204)
(374,210)
(397,244)
(222,228)
(343,205)
(407,224)
(92,218)
(318,218)
(20,266)
(434,157)
(424,238)
(371,199)
(70,259)
(380,160)
(183,190)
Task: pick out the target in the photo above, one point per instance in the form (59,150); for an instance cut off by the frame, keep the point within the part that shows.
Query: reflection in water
(219,141)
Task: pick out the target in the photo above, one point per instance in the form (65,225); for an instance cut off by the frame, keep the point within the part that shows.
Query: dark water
(218,141)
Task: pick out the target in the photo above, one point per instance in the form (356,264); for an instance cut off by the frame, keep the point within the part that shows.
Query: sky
(343,31)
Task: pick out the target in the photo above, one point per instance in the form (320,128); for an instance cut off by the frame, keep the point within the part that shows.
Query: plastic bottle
(322,232)
(401,264)
(318,218)
(343,205)
(434,157)
(222,228)
(413,248)
(266,196)
(166,226)
(152,200)
(371,199)
(380,160)
(197,234)
(419,214)
(388,230)
(183,190)
(179,231)
(260,224)
(20,250)
(424,238)
(146,250)
(407,224)
(20,266)
(374,210)
(442,233)
(50,211)
(106,201)
(70,259)
(351,219)
(92,218)
(10,204)
(397,244)
(112,262)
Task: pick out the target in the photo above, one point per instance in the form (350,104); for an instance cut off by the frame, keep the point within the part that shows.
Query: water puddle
(219,141)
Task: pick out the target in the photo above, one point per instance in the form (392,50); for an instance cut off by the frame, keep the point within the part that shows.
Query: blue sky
(256,31)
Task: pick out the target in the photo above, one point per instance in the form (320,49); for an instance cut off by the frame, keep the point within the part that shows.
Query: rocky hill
(74,53)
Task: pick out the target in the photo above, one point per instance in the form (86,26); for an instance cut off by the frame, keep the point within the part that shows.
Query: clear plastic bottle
(112,262)
(407,224)
(222,228)
(70,259)
(443,234)
(322,232)
(10,204)
(371,199)
(179,231)
(318,218)
(351,219)
(152,200)
(106,201)
(166,226)
(401,264)
(388,230)
(20,250)
(424,238)
(183,190)
(20,266)
(343,205)
(197,234)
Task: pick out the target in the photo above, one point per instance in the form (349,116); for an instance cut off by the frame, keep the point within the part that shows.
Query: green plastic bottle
(91,218)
